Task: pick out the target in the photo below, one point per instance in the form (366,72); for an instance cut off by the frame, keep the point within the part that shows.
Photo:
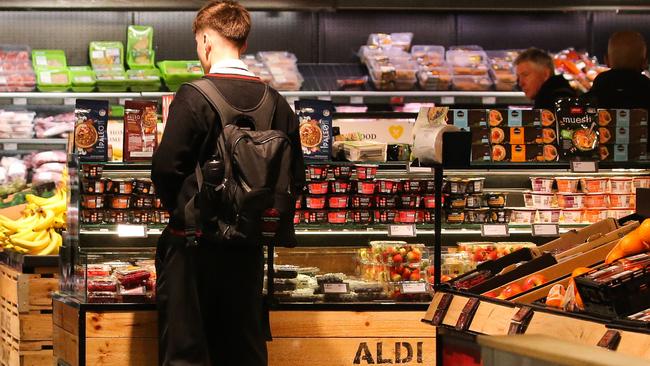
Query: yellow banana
(60,221)
(32,198)
(46,222)
(41,240)
(54,244)
(27,223)
(57,207)
(25,235)
(8,223)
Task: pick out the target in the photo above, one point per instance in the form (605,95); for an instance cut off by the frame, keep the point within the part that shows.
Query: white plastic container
(542,184)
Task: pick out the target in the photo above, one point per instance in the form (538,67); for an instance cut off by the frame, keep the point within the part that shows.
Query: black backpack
(245,188)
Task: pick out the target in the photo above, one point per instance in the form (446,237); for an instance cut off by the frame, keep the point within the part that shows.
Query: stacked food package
(466,202)
(13,175)
(434,73)
(470,68)
(578,68)
(389,64)
(283,68)
(107,60)
(51,67)
(354,196)
(258,68)
(502,69)
(119,201)
(622,134)
(581,199)
(176,73)
(117,281)
(16,124)
(16,72)
(47,166)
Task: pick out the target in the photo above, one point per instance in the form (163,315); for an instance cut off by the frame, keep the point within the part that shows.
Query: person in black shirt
(210,295)
(624,86)
(536,77)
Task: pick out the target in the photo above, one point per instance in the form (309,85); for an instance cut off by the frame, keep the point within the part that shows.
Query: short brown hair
(231,20)
(538,57)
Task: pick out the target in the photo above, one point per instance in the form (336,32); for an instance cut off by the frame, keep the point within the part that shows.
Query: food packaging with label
(577,129)
(315,128)
(140,124)
(90,139)
(139,47)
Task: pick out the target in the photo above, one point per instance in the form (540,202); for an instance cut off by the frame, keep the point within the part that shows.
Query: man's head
(221,29)
(533,68)
(627,50)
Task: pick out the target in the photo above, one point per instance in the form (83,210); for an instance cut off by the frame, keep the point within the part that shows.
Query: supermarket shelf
(34,141)
(37,95)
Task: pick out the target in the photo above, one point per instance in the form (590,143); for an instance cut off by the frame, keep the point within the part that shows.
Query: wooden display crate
(24,353)
(28,291)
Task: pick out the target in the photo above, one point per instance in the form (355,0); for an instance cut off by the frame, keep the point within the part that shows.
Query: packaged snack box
(140,136)
(90,137)
(315,128)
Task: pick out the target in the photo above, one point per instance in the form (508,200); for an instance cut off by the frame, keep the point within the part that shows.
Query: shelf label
(402,231)
(489,100)
(447,100)
(131,231)
(336,288)
(20,101)
(413,288)
(584,166)
(546,230)
(69,101)
(356,99)
(495,230)
(324,97)
(10,147)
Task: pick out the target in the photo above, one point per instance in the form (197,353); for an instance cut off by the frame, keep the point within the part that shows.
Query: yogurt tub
(413,186)
(548,216)
(476,216)
(596,200)
(458,185)
(317,187)
(522,215)
(475,185)
(387,186)
(595,215)
(594,185)
(366,171)
(542,184)
(317,172)
(475,201)
(571,216)
(621,184)
(642,182)
(338,201)
(342,171)
(619,213)
(337,217)
(528,200)
(315,202)
(622,200)
(567,184)
(365,187)
(570,201)
(543,200)
(340,186)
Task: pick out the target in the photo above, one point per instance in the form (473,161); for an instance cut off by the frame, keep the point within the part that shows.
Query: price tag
(356,100)
(584,166)
(402,231)
(20,101)
(69,101)
(335,288)
(447,100)
(546,230)
(489,100)
(324,97)
(10,147)
(46,77)
(396,100)
(414,288)
(131,231)
(495,230)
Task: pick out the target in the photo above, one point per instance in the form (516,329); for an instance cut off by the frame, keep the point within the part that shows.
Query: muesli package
(315,128)
(577,124)
(90,137)
(140,124)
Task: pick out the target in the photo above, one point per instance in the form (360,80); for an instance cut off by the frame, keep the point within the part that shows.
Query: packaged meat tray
(102,284)
(277,57)
(144,80)
(397,40)
(83,79)
(102,297)
(177,72)
(14,53)
(132,277)
(53,80)
(17,81)
(471,82)
(16,124)
(10,67)
(106,55)
(49,59)
(111,80)
(467,62)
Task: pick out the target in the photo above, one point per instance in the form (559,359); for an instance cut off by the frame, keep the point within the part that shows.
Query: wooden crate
(34,325)
(28,292)
(34,353)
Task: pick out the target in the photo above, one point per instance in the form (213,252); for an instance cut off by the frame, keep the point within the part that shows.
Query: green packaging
(139,47)
(177,72)
(53,80)
(144,80)
(48,59)
(111,81)
(83,79)
(106,55)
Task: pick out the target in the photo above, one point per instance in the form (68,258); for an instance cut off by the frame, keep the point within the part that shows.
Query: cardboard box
(622,117)
(521,118)
(480,135)
(564,268)
(624,152)
(597,240)
(523,135)
(575,237)
(481,152)
(466,118)
(524,153)
(623,134)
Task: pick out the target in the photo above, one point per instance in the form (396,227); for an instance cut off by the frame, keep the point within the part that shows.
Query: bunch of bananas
(36,231)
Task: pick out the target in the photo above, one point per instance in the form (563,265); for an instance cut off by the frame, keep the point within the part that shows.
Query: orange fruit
(580,270)
(644,231)
(555,296)
(631,244)
(579,302)
(614,254)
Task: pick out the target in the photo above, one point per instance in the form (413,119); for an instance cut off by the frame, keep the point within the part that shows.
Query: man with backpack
(227,169)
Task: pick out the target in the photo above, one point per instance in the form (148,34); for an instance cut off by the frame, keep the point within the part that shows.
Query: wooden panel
(134,324)
(24,353)
(635,344)
(492,319)
(122,351)
(30,327)
(566,328)
(349,324)
(351,351)
(66,346)
(66,317)
(456,307)
(431,310)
